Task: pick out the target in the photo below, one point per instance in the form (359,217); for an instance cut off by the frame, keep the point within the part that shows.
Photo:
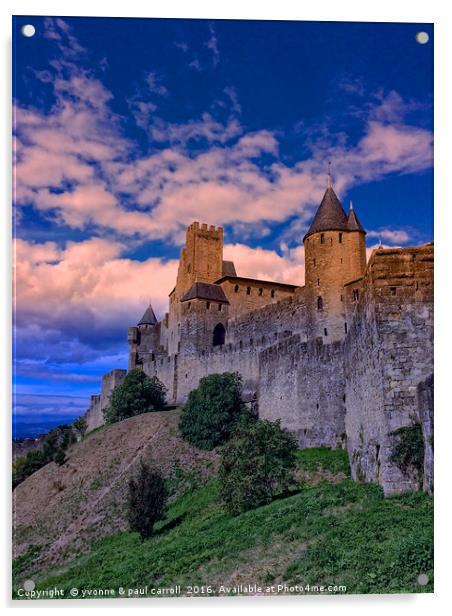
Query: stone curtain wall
(220,359)
(425,405)
(246,336)
(388,352)
(94,416)
(303,385)
(265,325)
(260,294)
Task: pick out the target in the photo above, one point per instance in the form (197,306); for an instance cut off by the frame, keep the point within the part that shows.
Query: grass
(323,458)
(21,563)
(329,533)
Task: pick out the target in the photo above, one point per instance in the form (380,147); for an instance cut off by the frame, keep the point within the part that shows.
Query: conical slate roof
(353,221)
(148,317)
(330,216)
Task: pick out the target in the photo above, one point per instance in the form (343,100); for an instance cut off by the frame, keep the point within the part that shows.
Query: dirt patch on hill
(64,509)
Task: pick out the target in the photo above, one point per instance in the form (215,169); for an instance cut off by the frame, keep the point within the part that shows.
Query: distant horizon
(126,130)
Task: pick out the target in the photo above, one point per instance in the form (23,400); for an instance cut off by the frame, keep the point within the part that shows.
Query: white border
(436,11)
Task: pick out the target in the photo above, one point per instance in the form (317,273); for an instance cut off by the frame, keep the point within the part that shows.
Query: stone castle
(343,361)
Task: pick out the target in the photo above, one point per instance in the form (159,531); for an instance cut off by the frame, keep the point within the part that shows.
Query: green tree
(257,464)
(59,457)
(137,394)
(80,424)
(53,448)
(212,411)
(24,466)
(51,443)
(146,500)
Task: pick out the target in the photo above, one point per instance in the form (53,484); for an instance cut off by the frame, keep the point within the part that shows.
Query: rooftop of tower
(148,317)
(353,220)
(330,216)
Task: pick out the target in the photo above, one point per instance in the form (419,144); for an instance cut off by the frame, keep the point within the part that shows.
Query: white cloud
(393,236)
(77,168)
(267,264)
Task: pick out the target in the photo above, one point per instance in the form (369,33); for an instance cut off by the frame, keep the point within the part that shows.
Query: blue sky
(126,130)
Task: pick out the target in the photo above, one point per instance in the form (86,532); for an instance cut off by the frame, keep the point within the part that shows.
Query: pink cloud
(79,142)
(267,264)
(87,277)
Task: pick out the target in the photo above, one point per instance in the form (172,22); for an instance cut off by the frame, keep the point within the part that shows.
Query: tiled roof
(330,216)
(148,317)
(353,221)
(229,268)
(207,291)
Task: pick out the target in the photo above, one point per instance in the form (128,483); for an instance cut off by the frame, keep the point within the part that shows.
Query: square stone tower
(201,258)
(201,261)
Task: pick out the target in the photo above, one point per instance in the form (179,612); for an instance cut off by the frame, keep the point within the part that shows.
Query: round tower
(334,254)
(356,240)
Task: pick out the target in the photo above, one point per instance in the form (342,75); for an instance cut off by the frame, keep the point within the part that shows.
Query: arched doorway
(219,334)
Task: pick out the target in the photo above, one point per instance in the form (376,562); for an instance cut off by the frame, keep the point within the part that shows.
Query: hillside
(62,509)
(329,530)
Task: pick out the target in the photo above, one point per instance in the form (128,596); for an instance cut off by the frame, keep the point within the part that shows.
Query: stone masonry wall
(303,385)
(248,295)
(94,416)
(425,405)
(328,257)
(388,352)
(246,336)
(265,325)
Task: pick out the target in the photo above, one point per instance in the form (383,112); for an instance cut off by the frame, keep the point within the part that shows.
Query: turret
(356,239)
(334,254)
(144,339)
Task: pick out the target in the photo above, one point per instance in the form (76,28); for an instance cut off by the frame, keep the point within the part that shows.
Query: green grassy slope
(329,533)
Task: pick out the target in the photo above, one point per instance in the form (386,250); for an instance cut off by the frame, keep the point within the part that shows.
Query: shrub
(137,394)
(80,424)
(257,464)
(210,416)
(408,451)
(24,466)
(53,448)
(147,500)
(60,457)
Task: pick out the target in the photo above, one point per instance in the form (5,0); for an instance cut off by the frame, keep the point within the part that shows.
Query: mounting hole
(28,30)
(422,38)
(422,579)
(29,585)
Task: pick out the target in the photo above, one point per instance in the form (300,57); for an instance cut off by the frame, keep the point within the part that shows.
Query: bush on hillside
(212,411)
(60,457)
(137,394)
(53,449)
(408,451)
(257,464)
(146,500)
(81,425)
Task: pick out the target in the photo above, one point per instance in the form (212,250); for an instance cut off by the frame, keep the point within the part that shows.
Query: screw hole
(422,38)
(28,30)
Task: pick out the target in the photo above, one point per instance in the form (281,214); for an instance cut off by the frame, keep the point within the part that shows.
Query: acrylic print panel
(223,312)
